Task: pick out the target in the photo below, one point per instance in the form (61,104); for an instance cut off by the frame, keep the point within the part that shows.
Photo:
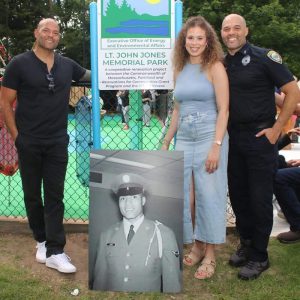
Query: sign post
(131,45)
(94,70)
(135,43)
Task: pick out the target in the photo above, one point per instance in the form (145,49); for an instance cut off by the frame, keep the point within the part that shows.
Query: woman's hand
(165,145)
(212,161)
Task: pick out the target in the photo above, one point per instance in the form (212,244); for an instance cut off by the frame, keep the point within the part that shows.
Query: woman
(200,118)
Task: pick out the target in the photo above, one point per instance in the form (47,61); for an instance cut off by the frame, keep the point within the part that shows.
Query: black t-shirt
(40,112)
(253,74)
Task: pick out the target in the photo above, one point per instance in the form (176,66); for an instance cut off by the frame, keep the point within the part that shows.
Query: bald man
(41,79)
(253,74)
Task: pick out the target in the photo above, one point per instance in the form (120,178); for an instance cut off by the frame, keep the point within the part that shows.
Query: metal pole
(178,16)
(83,32)
(94,70)
(178,26)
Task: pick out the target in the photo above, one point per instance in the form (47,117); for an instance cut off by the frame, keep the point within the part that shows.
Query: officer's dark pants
(287,192)
(251,168)
(44,161)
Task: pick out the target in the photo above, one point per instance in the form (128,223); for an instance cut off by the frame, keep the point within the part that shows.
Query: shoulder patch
(273,55)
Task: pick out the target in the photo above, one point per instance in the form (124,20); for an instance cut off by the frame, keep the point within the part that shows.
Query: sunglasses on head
(51,85)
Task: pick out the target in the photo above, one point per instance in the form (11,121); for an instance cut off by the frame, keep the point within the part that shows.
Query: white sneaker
(60,262)
(40,255)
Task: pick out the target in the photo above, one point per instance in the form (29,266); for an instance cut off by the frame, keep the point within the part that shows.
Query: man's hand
(294,130)
(293,163)
(271,134)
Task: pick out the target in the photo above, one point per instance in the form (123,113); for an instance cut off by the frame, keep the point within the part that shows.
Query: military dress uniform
(253,74)
(150,262)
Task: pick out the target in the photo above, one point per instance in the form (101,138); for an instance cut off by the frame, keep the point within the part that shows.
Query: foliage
(272,23)
(115,14)
(75,27)
(280,282)
(19,18)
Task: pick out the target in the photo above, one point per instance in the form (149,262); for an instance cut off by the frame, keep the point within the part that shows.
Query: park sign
(135,40)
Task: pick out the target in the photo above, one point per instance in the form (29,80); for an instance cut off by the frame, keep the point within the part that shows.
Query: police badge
(246,60)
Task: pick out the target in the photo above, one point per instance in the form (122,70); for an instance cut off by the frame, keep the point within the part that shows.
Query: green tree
(127,9)
(17,22)
(75,27)
(115,14)
(18,19)
(111,8)
(272,23)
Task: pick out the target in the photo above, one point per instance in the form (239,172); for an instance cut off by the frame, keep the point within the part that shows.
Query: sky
(142,6)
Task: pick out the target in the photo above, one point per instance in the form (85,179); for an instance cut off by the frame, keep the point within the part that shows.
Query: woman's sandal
(193,258)
(206,269)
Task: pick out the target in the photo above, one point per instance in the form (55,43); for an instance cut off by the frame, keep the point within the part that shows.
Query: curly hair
(212,53)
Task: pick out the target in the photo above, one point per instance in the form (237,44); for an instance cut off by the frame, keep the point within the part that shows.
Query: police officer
(136,254)
(253,74)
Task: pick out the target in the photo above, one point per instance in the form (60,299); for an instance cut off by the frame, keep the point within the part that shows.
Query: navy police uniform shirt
(253,74)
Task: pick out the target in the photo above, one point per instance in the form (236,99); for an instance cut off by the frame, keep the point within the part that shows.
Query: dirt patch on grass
(19,250)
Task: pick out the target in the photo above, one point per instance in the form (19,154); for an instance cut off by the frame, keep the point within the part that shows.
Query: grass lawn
(280,282)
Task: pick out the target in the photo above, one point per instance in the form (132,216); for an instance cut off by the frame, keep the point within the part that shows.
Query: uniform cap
(129,184)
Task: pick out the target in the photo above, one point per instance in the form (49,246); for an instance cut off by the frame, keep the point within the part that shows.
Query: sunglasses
(51,85)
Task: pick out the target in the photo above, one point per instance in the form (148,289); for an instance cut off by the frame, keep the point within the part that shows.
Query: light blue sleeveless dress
(195,135)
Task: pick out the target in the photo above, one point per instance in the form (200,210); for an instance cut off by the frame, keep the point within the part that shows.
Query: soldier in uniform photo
(136,254)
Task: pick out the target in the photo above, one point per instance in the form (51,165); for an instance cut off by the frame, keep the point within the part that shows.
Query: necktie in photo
(130,234)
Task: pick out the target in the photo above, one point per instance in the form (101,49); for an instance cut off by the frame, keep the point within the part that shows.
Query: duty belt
(251,126)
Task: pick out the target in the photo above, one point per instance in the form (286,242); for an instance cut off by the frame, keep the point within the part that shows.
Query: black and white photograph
(135,221)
